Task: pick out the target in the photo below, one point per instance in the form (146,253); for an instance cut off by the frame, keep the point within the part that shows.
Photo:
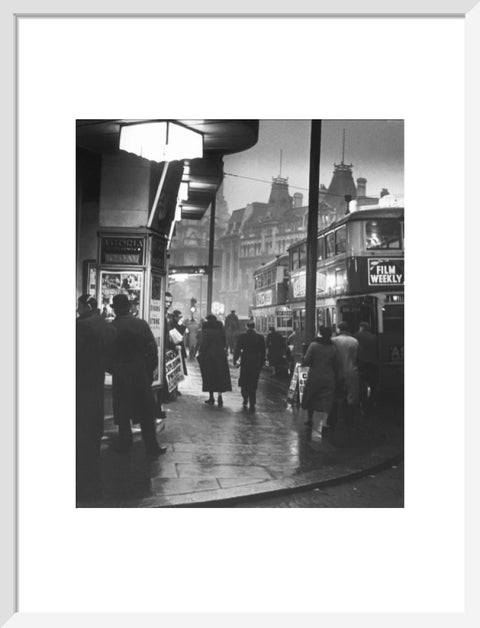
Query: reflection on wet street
(213,448)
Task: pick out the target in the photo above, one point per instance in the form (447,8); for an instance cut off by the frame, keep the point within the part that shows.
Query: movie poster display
(134,263)
(121,282)
(89,277)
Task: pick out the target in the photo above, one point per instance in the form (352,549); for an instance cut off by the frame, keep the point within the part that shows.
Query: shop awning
(221,137)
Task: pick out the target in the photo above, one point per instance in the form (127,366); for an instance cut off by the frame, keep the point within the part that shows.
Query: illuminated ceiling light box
(164,142)
(183,191)
(161,141)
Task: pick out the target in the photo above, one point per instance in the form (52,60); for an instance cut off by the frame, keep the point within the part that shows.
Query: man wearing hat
(250,348)
(135,358)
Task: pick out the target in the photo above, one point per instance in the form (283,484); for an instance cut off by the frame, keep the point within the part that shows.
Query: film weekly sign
(385,272)
(121,250)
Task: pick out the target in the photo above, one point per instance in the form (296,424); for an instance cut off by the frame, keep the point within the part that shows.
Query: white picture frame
(11,13)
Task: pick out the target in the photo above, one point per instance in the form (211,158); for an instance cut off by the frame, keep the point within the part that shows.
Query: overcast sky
(374,147)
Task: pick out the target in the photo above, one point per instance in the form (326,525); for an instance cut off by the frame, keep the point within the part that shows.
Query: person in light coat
(323,361)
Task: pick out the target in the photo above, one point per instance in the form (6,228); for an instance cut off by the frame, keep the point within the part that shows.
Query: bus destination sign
(385,272)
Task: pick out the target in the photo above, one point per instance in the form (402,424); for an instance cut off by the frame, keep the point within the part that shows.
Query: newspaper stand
(134,262)
(297,384)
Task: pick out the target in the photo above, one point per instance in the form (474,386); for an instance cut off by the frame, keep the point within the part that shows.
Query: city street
(380,490)
(200,250)
(217,455)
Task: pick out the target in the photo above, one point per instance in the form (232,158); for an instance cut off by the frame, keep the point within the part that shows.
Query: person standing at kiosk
(135,357)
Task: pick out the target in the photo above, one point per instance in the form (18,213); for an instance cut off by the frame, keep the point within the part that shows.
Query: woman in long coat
(212,357)
(323,360)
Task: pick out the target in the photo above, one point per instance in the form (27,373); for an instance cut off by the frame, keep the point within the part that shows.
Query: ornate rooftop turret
(280,200)
(342,183)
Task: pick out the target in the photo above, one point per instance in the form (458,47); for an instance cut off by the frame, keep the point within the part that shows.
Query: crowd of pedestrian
(126,348)
(341,382)
(342,378)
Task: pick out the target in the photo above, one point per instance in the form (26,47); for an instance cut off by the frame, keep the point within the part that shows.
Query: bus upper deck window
(321,248)
(383,234)
(341,240)
(303,255)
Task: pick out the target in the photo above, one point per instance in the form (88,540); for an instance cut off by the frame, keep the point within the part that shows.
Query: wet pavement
(217,455)
(384,489)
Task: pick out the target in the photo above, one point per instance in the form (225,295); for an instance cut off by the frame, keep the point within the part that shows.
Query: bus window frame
(342,229)
(400,223)
(320,249)
(329,236)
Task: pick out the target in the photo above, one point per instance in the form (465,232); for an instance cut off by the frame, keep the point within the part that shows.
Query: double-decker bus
(360,277)
(270,308)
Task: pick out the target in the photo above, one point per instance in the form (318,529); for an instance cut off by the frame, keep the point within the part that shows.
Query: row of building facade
(252,235)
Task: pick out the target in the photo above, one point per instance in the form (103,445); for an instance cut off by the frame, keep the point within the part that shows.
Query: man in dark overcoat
(232,327)
(250,348)
(94,343)
(135,358)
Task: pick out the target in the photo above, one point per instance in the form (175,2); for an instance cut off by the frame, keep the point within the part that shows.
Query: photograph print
(240,313)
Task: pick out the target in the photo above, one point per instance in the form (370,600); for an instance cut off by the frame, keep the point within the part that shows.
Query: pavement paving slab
(218,456)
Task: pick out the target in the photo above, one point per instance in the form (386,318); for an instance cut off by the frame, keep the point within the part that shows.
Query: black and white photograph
(229,403)
(240,313)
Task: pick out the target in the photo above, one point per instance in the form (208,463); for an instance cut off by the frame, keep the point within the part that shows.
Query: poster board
(112,282)
(173,368)
(156,320)
(302,380)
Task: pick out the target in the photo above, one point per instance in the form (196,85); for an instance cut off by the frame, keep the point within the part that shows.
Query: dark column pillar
(211,251)
(312,230)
